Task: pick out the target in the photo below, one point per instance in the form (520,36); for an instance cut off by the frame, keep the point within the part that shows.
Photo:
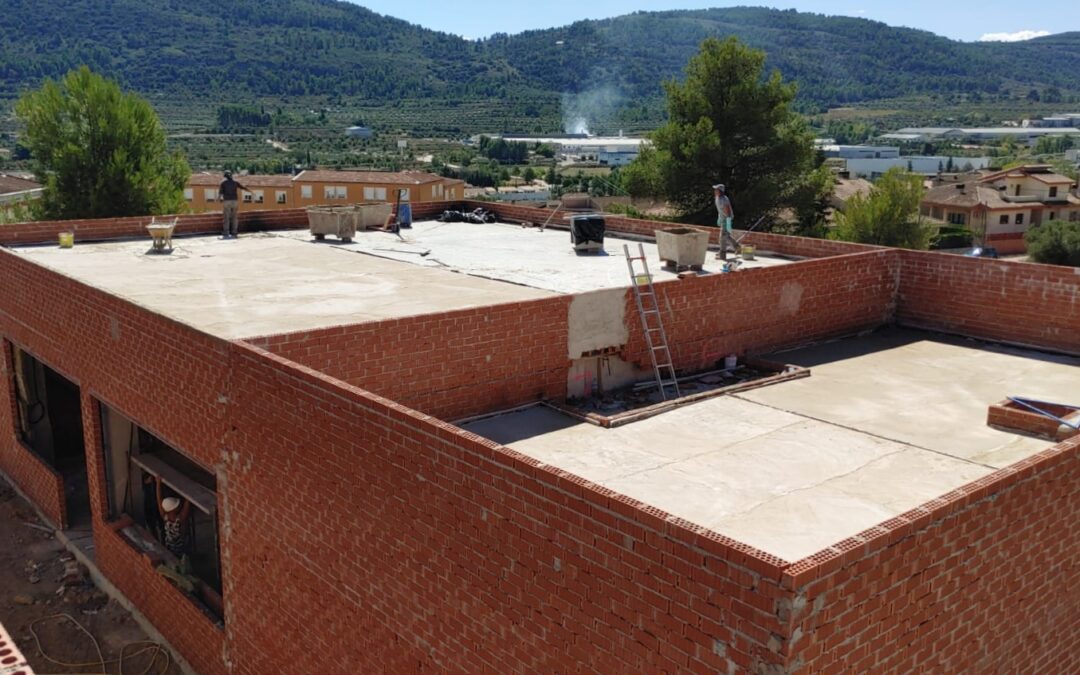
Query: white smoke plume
(583,113)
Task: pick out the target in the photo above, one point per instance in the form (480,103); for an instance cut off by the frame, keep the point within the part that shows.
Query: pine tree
(99,152)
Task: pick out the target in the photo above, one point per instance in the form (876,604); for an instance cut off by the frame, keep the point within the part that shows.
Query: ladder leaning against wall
(652,324)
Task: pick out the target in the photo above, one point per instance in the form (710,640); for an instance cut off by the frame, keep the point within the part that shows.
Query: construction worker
(227,192)
(724,217)
(175,514)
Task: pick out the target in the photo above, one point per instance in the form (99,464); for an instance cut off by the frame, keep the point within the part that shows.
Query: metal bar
(201,498)
(1029,406)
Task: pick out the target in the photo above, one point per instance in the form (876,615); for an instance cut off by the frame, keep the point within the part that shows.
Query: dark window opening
(1019,219)
(1053,192)
(48,421)
(957,218)
(139,467)
(1004,220)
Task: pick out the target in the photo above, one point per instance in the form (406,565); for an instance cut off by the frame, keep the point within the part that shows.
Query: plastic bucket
(730,362)
(67,239)
(747,252)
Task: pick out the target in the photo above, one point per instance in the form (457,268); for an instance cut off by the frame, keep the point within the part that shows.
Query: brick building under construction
(410,453)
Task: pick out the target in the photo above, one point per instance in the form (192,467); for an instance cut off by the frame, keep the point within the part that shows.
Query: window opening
(172,502)
(48,421)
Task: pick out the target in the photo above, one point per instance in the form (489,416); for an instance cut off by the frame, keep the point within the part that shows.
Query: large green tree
(98,151)
(730,124)
(888,216)
(1055,242)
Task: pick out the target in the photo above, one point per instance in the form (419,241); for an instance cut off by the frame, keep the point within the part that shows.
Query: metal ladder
(655,336)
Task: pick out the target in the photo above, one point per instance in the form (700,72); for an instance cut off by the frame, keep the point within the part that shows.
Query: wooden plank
(201,498)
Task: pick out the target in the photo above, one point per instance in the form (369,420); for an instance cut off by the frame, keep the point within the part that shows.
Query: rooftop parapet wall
(449,365)
(807,247)
(760,310)
(476,361)
(433,547)
(99,229)
(1021,303)
(983,579)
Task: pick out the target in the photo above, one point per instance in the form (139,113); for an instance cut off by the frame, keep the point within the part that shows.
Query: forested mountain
(276,47)
(836,60)
(208,48)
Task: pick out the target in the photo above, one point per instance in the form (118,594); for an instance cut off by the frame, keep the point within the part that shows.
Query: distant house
(1000,207)
(846,189)
(359,132)
(16,189)
(316,186)
(310,188)
(263,193)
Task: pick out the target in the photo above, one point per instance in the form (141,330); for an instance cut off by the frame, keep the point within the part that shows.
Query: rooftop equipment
(587,233)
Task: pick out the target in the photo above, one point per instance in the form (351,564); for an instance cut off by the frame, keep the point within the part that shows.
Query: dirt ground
(40,581)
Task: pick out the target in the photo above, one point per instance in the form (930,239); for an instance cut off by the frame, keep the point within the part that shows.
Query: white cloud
(1018,36)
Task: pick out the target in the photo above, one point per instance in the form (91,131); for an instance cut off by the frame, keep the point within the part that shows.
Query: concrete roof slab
(511,253)
(262,284)
(885,423)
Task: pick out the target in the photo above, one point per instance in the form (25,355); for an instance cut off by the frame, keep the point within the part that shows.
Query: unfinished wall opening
(49,422)
(169,504)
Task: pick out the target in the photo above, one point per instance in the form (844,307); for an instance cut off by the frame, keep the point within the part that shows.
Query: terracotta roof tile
(254,181)
(399,178)
(9,184)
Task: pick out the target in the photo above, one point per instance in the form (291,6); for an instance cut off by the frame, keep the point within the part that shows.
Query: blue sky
(957,19)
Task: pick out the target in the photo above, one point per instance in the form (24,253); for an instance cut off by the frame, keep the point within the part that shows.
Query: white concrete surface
(518,255)
(885,423)
(262,283)
(929,391)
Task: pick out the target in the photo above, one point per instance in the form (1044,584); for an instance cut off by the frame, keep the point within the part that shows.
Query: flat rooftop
(511,253)
(262,284)
(885,422)
(283,282)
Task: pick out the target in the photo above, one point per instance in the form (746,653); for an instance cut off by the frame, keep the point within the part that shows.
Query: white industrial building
(1028,135)
(859,151)
(604,150)
(925,165)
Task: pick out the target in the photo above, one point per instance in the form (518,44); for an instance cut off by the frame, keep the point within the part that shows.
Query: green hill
(277,49)
(837,60)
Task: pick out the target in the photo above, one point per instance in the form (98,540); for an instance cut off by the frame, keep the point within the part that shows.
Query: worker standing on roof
(724,217)
(227,192)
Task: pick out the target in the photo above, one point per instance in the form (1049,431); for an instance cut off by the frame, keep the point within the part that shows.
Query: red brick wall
(397,543)
(795,246)
(984,579)
(449,365)
(47,231)
(40,482)
(1024,303)
(165,376)
(474,361)
(758,310)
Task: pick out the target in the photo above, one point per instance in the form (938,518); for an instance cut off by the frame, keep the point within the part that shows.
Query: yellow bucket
(67,239)
(747,252)
(642,279)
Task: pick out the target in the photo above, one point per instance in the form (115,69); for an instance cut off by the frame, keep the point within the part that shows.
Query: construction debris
(478,216)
